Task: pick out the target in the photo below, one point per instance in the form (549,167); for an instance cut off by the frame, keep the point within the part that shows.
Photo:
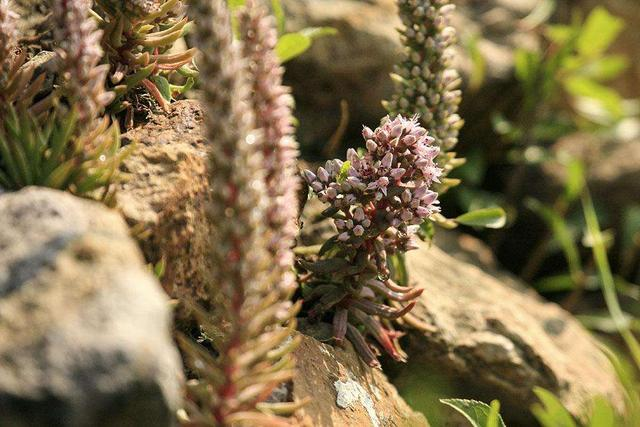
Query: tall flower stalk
(426,83)
(377,201)
(272,104)
(253,354)
(78,40)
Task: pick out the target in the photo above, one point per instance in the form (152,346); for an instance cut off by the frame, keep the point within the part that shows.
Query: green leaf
(488,218)
(478,61)
(598,32)
(493,420)
(606,68)
(575,180)
(560,34)
(477,413)
(316,32)
(561,233)
(602,414)
(234,4)
(551,413)
(398,268)
(630,235)
(291,45)
(527,64)
(276,7)
(344,172)
(558,283)
(163,86)
(587,88)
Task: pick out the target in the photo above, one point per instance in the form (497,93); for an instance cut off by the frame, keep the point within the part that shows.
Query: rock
(84,327)
(164,196)
(344,391)
(499,342)
(354,65)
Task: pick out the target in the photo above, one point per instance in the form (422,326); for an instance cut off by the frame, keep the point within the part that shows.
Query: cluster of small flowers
(272,104)
(427,85)
(386,187)
(79,41)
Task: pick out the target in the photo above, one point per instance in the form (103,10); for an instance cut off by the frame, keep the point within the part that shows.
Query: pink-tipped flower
(272,104)
(377,209)
(78,39)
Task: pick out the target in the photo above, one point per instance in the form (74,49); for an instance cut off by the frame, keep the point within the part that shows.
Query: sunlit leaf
(575,181)
(291,45)
(598,32)
(551,412)
(587,88)
(477,413)
(488,218)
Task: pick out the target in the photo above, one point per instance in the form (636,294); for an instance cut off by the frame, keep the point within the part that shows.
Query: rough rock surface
(501,341)
(344,391)
(165,194)
(354,65)
(84,327)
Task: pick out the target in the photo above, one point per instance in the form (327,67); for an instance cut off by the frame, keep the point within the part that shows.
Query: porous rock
(502,340)
(344,391)
(164,197)
(84,327)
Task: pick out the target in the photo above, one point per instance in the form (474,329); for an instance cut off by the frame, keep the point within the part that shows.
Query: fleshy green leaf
(291,45)
(587,88)
(478,413)
(551,412)
(276,6)
(575,180)
(163,86)
(488,218)
(598,32)
(316,32)
(602,414)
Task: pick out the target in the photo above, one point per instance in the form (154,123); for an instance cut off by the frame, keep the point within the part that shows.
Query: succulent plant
(61,141)
(16,79)
(377,201)
(426,83)
(138,38)
(252,355)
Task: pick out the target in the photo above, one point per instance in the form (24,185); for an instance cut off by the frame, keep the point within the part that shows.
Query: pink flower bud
(323,174)
(358,230)
(367,133)
(387,160)
(397,173)
(358,214)
(309,176)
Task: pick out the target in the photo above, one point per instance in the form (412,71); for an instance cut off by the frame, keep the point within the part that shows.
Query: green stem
(608,284)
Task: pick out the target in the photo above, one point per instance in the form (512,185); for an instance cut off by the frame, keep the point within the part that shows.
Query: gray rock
(84,327)
(499,341)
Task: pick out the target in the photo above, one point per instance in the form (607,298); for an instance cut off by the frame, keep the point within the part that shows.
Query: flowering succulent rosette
(378,199)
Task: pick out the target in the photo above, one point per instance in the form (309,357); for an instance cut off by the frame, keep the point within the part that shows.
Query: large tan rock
(164,196)
(499,341)
(344,391)
(84,326)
